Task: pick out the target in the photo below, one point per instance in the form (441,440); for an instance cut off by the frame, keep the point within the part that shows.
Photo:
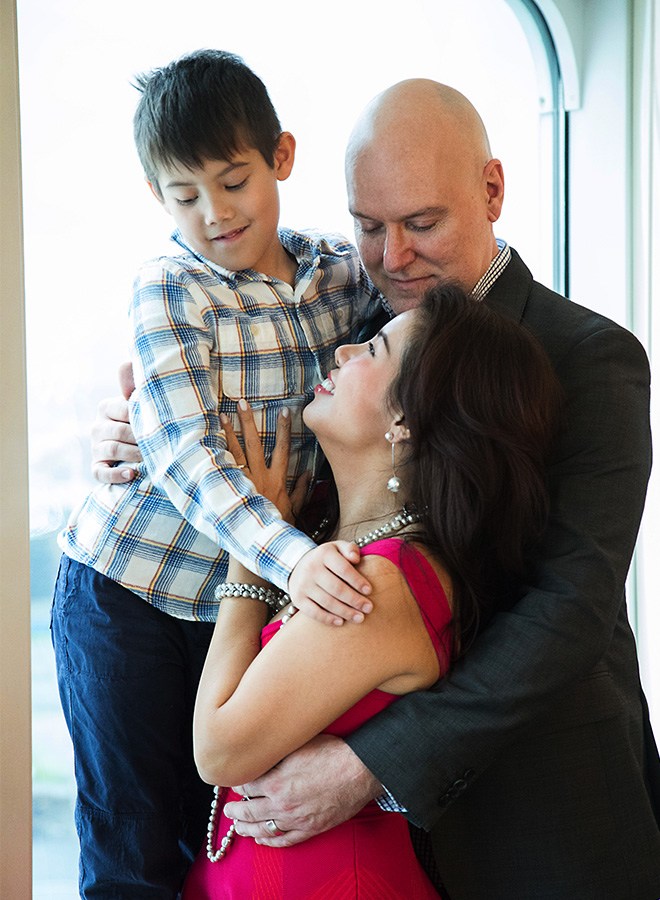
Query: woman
(436,433)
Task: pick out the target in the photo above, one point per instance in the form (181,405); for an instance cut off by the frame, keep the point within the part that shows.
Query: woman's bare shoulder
(383,573)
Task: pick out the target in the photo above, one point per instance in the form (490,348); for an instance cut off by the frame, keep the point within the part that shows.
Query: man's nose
(398,251)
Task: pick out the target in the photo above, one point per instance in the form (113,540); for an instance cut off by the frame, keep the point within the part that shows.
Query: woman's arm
(255,708)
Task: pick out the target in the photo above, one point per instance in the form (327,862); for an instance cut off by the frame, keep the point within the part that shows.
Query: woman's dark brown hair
(482,403)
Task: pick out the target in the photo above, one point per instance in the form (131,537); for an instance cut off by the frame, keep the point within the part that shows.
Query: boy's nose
(218,210)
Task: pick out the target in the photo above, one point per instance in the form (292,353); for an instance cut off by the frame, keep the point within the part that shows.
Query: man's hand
(317,787)
(113,440)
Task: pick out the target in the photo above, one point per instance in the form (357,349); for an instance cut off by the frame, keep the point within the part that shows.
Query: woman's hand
(325,583)
(270,481)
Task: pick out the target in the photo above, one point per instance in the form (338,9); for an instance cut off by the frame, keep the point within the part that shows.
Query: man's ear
(494,183)
(285,153)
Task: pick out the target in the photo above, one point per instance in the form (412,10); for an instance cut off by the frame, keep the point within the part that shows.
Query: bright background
(90,221)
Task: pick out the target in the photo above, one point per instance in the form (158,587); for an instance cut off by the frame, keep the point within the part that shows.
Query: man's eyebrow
(426,211)
(413,214)
(358,215)
(226,171)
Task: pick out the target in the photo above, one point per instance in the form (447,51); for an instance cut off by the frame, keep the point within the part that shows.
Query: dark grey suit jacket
(532,764)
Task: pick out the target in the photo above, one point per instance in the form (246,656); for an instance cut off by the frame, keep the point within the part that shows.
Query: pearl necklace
(400,521)
(216,856)
(403,518)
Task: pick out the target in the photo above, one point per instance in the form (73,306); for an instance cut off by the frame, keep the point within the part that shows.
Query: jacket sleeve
(428,747)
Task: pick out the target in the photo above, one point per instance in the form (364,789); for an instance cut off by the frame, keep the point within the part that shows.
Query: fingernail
(285,412)
(337,621)
(242,404)
(224,418)
(367,607)
(358,617)
(127,474)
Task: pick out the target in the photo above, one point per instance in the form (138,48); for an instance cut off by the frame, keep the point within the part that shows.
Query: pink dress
(368,857)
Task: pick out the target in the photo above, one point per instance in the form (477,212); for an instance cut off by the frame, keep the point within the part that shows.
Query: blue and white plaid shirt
(203,338)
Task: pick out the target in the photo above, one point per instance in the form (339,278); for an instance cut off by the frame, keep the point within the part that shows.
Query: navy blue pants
(127,676)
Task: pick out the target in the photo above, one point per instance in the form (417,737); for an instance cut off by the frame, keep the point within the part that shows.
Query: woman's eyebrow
(384,338)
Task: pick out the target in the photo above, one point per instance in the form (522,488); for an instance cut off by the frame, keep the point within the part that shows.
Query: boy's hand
(326,585)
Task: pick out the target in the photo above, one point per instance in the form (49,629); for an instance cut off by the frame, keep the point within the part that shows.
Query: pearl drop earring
(393,483)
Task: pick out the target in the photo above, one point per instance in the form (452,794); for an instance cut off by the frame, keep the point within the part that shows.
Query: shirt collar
(497,265)
(306,248)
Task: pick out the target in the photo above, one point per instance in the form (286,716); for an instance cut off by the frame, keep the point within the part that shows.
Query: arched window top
(554,30)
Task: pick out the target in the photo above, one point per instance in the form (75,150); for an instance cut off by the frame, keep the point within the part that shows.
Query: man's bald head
(423,189)
(412,107)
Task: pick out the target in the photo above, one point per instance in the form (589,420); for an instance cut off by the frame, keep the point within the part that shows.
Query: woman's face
(350,405)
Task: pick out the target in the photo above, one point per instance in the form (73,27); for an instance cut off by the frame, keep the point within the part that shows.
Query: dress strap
(426,588)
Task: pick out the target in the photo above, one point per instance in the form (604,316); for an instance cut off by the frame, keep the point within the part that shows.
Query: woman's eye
(186,201)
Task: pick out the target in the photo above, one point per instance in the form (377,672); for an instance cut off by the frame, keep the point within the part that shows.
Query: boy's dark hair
(205,105)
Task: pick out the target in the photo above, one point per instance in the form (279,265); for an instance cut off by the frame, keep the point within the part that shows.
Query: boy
(245,311)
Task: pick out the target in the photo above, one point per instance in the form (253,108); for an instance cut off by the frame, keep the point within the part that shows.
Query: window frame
(558,27)
(554,109)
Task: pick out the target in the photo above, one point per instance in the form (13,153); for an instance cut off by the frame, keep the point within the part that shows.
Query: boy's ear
(156,192)
(285,153)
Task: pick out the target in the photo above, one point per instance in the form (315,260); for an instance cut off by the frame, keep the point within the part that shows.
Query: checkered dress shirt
(203,338)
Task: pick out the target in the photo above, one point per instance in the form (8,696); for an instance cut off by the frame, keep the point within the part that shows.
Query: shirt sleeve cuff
(282,554)
(388,804)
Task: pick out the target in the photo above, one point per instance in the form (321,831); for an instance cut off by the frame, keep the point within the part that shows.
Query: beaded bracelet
(274,599)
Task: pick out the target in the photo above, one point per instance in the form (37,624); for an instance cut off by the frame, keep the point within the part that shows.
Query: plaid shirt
(202,338)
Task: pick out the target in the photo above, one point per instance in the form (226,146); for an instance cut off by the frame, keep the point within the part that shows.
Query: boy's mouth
(230,235)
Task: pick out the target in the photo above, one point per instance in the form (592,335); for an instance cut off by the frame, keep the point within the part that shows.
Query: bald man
(533,766)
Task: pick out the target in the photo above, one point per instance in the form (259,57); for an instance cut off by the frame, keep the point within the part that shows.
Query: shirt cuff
(388,804)
(280,554)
